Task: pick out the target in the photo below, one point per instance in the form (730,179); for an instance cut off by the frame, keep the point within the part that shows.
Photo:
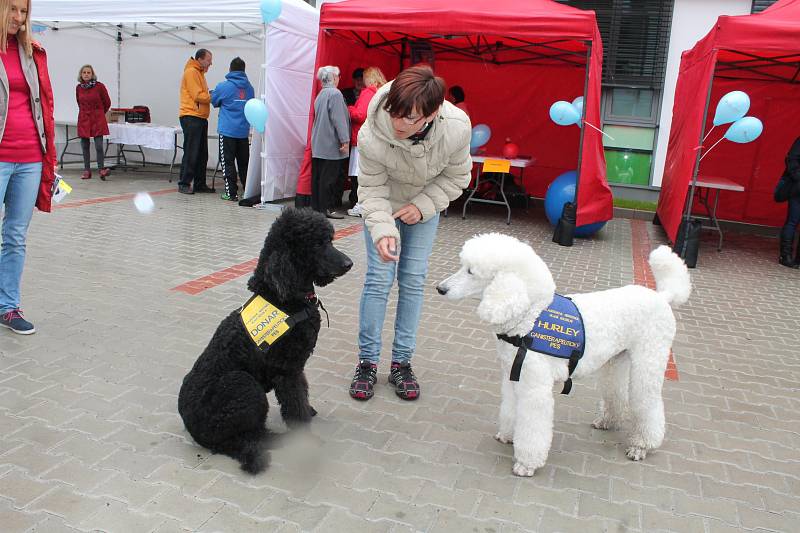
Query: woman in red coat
(93,102)
(373,80)
(27,151)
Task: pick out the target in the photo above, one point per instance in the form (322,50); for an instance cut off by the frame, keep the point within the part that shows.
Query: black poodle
(223,399)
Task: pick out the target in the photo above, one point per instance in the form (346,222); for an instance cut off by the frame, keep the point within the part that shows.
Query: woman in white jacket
(413,161)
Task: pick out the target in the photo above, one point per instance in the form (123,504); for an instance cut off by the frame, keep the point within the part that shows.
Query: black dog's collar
(312,300)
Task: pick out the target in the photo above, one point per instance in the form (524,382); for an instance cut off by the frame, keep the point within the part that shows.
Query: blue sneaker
(14,321)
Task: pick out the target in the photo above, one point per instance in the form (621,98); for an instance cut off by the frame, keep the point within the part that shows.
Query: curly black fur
(223,399)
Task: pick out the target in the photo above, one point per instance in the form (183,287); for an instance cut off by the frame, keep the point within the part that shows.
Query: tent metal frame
(478,47)
(754,64)
(201,33)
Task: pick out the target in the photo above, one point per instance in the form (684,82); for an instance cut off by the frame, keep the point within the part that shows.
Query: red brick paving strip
(225,275)
(106,199)
(642,275)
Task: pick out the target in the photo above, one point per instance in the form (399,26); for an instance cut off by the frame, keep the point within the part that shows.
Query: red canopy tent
(760,55)
(513,58)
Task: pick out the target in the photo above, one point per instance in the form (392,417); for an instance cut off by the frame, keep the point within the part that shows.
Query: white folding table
(712,185)
(520,163)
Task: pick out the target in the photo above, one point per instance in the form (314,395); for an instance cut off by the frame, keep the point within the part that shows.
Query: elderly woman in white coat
(413,161)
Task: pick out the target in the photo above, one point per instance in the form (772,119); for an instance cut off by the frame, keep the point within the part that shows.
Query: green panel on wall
(624,166)
(634,137)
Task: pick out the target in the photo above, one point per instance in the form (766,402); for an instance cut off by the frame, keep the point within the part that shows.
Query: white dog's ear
(505,297)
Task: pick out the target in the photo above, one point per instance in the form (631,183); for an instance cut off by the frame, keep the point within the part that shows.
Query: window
(630,105)
(635,39)
(629,156)
(635,45)
(761,5)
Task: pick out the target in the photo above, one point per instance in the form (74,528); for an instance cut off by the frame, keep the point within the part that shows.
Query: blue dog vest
(558,332)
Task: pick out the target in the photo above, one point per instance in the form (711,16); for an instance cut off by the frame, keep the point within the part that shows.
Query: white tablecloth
(146,135)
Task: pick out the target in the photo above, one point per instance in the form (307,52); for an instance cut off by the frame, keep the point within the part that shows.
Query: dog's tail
(672,276)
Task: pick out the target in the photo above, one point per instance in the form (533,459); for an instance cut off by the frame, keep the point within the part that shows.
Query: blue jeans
(792,218)
(416,243)
(19,186)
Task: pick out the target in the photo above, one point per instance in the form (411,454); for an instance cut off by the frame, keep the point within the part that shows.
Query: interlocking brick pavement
(90,438)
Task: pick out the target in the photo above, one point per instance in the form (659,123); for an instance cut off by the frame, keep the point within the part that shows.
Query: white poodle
(628,335)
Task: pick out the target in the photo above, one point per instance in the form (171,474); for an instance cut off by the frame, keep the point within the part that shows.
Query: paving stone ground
(90,438)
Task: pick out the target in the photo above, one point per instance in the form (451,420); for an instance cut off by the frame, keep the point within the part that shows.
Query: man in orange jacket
(193,113)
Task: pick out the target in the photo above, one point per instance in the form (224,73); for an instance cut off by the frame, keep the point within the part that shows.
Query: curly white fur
(628,332)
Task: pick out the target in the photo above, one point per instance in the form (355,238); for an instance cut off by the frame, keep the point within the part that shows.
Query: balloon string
(598,129)
(707,134)
(712,147)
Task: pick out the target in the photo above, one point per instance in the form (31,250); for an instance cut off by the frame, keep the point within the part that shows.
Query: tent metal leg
(690,200)
(569,228)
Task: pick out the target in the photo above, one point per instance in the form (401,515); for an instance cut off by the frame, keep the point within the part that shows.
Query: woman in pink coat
(93,102)
(373,80)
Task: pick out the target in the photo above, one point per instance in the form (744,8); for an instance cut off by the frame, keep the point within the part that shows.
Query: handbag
(782,189)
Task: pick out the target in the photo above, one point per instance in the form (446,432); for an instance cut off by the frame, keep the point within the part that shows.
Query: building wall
(691,20)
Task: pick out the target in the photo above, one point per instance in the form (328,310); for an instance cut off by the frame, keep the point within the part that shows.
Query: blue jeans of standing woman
(416,243)
(19,186)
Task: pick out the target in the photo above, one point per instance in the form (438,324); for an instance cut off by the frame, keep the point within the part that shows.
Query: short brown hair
(415,87)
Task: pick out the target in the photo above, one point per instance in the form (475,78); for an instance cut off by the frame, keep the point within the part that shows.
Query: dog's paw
(298,415)
(505,439)
(522,470)
(603,423)
(636,453)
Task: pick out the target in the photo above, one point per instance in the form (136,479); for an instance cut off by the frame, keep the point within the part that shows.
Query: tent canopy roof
(538,18)
(174,11)
(761,46)
(544,32)
(231,18)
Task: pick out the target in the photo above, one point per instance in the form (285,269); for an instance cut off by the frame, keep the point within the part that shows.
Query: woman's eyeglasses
(412,121)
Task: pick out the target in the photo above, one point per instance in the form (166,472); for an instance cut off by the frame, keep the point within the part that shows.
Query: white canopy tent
(139,47)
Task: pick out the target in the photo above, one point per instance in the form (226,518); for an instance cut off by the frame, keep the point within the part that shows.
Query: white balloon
(144,203)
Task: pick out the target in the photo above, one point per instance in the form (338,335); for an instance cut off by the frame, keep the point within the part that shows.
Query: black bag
(687,244)
(565,228)
(782,189)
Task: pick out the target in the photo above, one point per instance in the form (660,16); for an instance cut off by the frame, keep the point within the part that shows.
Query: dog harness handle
(528,343)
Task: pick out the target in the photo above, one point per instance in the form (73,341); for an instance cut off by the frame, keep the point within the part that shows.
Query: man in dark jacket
(793,213)
(234,148)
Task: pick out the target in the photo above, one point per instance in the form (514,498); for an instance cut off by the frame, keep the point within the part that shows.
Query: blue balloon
(480,135)
(561,191)
(731,107)
(744,130)
(270,10)
(256,114)
(564,113)
(578,103)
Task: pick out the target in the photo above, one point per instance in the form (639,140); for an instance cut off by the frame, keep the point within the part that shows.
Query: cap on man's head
(358,73)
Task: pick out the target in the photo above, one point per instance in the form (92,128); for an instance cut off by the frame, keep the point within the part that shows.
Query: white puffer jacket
(393,173)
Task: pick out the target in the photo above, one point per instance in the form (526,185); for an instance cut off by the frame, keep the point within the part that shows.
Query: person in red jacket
(27,150)
(93,103)
(373,80)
